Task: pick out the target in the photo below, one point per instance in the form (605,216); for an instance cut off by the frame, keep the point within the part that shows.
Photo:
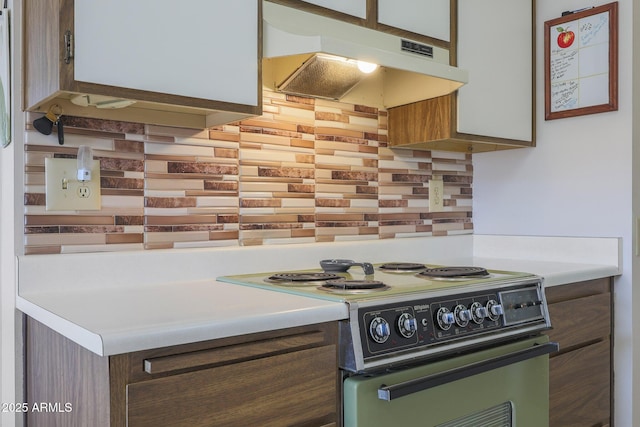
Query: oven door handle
(395,391)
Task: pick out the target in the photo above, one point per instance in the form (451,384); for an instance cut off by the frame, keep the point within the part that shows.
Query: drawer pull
(231,353)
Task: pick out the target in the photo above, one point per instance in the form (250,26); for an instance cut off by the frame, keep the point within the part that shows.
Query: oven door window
(513,394)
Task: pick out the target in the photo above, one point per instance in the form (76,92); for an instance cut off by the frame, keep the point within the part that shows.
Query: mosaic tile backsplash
(307,170)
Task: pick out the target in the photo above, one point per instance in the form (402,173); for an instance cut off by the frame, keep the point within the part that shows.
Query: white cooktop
(397,283)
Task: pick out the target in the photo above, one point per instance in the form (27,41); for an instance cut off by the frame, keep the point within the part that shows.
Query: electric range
(402,312)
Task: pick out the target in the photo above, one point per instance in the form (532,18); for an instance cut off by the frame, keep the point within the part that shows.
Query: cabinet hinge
(68,47)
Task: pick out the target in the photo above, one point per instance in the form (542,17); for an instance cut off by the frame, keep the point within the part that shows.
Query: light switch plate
(63,190)
(436,195)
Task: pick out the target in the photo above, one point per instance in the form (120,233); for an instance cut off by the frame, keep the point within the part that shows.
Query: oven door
(507,385)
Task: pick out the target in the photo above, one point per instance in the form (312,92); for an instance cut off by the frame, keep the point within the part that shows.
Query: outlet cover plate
(436,195)
(63,190)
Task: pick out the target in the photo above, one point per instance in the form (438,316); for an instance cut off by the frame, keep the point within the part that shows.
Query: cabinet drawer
(580,320)
(561,293)
(579,387)
(227,354)
(288,389)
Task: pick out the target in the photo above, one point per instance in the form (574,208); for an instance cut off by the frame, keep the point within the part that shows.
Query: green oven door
(502,386)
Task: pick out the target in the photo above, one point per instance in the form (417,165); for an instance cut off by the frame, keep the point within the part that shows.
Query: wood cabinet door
(426,17)
(580,375)
(579,387)
(204,49)
(297,388)
(495,42)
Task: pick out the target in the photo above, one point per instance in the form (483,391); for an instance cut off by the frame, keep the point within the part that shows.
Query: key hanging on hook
(45,124)
(60,130)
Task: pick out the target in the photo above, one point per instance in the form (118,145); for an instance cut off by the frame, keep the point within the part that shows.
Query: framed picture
(581,62)
(5,79)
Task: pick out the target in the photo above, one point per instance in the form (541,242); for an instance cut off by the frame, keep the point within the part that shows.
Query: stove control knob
(407,325)
(494,310)
(445,318)
(379,330)
(478,312)
(462,315)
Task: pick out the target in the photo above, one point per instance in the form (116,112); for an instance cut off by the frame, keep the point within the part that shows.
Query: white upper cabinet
(495,39)
(356,8)
(192,64)
(200,48)
(495,110)
(430,18)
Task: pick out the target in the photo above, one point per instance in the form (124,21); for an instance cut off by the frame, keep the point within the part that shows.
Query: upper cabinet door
(202,48)
(426,17)
(194,64)
(356,8)
(495,40)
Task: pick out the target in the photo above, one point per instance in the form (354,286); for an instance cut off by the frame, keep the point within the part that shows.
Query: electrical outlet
(63,190)
(436,195)
(84,192)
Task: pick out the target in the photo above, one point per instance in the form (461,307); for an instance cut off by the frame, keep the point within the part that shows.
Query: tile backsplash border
(307,170)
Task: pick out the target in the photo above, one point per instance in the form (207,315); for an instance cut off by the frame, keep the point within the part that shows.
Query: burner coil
(402,266)
(303,277)
(353,286)
(455,272)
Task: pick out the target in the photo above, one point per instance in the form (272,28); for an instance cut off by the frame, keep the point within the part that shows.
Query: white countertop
(554,273)
(112,321)
(117,303)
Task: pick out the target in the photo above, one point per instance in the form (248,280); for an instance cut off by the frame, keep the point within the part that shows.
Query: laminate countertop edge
(116,321)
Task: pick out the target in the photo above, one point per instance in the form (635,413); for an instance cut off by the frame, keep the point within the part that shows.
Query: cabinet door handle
(68,46)
(430,381)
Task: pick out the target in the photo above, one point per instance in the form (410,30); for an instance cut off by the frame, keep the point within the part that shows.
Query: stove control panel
(426,322)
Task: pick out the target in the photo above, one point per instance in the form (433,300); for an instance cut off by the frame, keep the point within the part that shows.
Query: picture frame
(581,62)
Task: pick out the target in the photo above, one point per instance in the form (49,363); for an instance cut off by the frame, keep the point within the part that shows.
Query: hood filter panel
(323,76)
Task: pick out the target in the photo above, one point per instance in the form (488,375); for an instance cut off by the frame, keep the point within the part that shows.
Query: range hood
(312,55)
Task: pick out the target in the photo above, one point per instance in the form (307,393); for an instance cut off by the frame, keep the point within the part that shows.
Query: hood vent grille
(323,76)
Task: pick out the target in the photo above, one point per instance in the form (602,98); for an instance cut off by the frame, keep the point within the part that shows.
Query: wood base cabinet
(286,377)
(580,374)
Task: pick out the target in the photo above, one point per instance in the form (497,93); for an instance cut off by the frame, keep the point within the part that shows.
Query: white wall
(11,181)
(576,182)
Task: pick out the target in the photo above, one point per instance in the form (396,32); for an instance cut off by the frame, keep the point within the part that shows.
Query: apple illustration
(566,37)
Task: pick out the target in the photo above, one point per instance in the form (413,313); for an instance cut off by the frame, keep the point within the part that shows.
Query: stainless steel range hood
(312,55)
